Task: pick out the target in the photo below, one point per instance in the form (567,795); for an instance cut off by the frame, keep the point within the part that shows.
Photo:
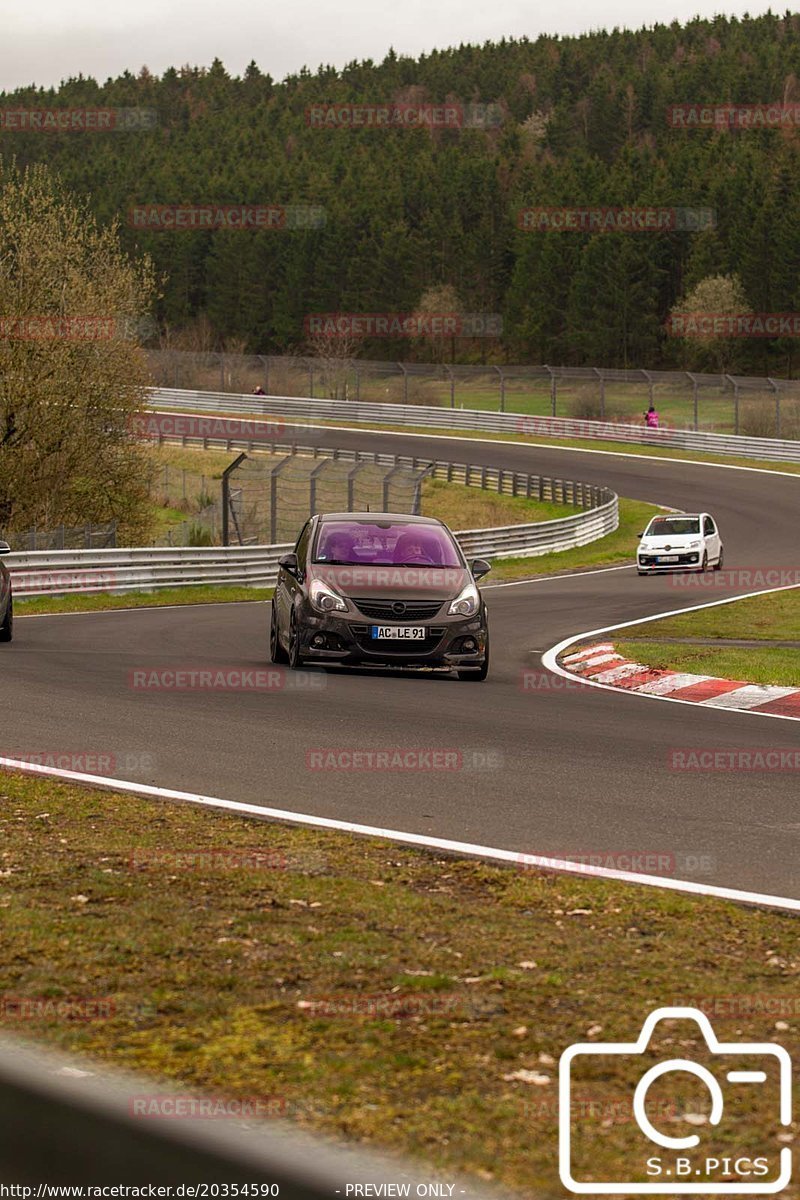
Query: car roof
(364,518)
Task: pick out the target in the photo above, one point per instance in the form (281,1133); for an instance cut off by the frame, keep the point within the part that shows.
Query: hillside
(579,121)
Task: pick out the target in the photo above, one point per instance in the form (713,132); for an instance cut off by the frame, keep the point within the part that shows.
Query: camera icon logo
(662,1163)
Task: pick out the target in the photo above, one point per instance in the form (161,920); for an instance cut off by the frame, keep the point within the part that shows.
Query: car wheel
(7,628)
(295,659)
(704,563)
(481,673)
(276,650)
(720,560)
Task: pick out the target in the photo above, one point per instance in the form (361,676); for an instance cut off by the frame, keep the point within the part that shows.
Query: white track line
(550,578)
(550,657)
(145,608)
(451,437)
(93,612)
(517,858)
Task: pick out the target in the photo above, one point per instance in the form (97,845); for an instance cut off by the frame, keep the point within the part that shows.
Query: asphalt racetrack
(544,769)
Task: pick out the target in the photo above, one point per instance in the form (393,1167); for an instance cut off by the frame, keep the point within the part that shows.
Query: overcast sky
(45,41)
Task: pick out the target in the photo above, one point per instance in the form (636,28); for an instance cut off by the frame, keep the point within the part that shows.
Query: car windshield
(664,526)
(374,543)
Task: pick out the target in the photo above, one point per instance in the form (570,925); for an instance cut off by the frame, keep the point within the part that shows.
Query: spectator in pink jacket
(651,418)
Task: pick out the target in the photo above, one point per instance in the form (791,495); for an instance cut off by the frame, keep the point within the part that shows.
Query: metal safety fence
(728,403)
(281,412)
(68,1122)
(42,573)
(62,537)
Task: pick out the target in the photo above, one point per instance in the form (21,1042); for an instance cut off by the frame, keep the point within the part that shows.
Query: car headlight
(324,599)
(466,603)
(694,545)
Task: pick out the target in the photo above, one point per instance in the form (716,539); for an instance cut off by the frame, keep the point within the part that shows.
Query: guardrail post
(502,388)
(405,382)
(553,389)
(735,403)
(452,379)
(226,496)
(312,485)
(775,389)
(601,377)
(696,401)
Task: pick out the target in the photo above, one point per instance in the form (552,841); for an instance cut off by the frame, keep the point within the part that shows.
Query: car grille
(387,648)
(683,560)
(413,610)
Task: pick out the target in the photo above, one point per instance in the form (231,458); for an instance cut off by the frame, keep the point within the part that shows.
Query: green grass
(202,594)
(768,665)
(774,616)
(618,547)
(463,507)
(221,980)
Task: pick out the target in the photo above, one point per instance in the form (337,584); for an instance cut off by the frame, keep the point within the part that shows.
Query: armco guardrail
(68,1121)
(60,572)
(306,410)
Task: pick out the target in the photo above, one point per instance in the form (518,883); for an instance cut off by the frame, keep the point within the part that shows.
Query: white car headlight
(694,545)
(324,599)
(466,603)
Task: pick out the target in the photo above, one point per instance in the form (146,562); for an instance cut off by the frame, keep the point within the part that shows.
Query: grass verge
(615,548)
(205,594)
(463,507)
(374,992)
(768,665)
(774,616)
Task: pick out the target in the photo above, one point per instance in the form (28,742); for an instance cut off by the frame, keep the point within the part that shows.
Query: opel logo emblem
(398,608)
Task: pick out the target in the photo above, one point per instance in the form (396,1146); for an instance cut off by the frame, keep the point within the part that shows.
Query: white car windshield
(672,526)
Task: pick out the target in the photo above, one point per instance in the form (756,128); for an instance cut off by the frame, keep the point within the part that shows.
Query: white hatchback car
(680,542)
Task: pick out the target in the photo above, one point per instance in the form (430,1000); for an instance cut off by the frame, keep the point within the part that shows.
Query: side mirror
(289,563)
(640,535)
(5,548)
(480,567)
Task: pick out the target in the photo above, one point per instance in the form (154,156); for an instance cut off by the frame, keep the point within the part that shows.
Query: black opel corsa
(6,603)
(380,589)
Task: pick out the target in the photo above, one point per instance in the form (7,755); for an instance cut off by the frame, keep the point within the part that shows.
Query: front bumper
(346,639)
(689,560)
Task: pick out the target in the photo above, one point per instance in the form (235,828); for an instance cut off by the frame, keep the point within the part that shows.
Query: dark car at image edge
(382,590)
(6,601)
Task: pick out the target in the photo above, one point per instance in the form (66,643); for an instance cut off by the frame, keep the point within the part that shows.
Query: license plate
(404,633)
(668,557)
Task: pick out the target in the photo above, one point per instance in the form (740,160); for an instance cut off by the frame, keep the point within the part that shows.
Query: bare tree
(332,357)
(73,308)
